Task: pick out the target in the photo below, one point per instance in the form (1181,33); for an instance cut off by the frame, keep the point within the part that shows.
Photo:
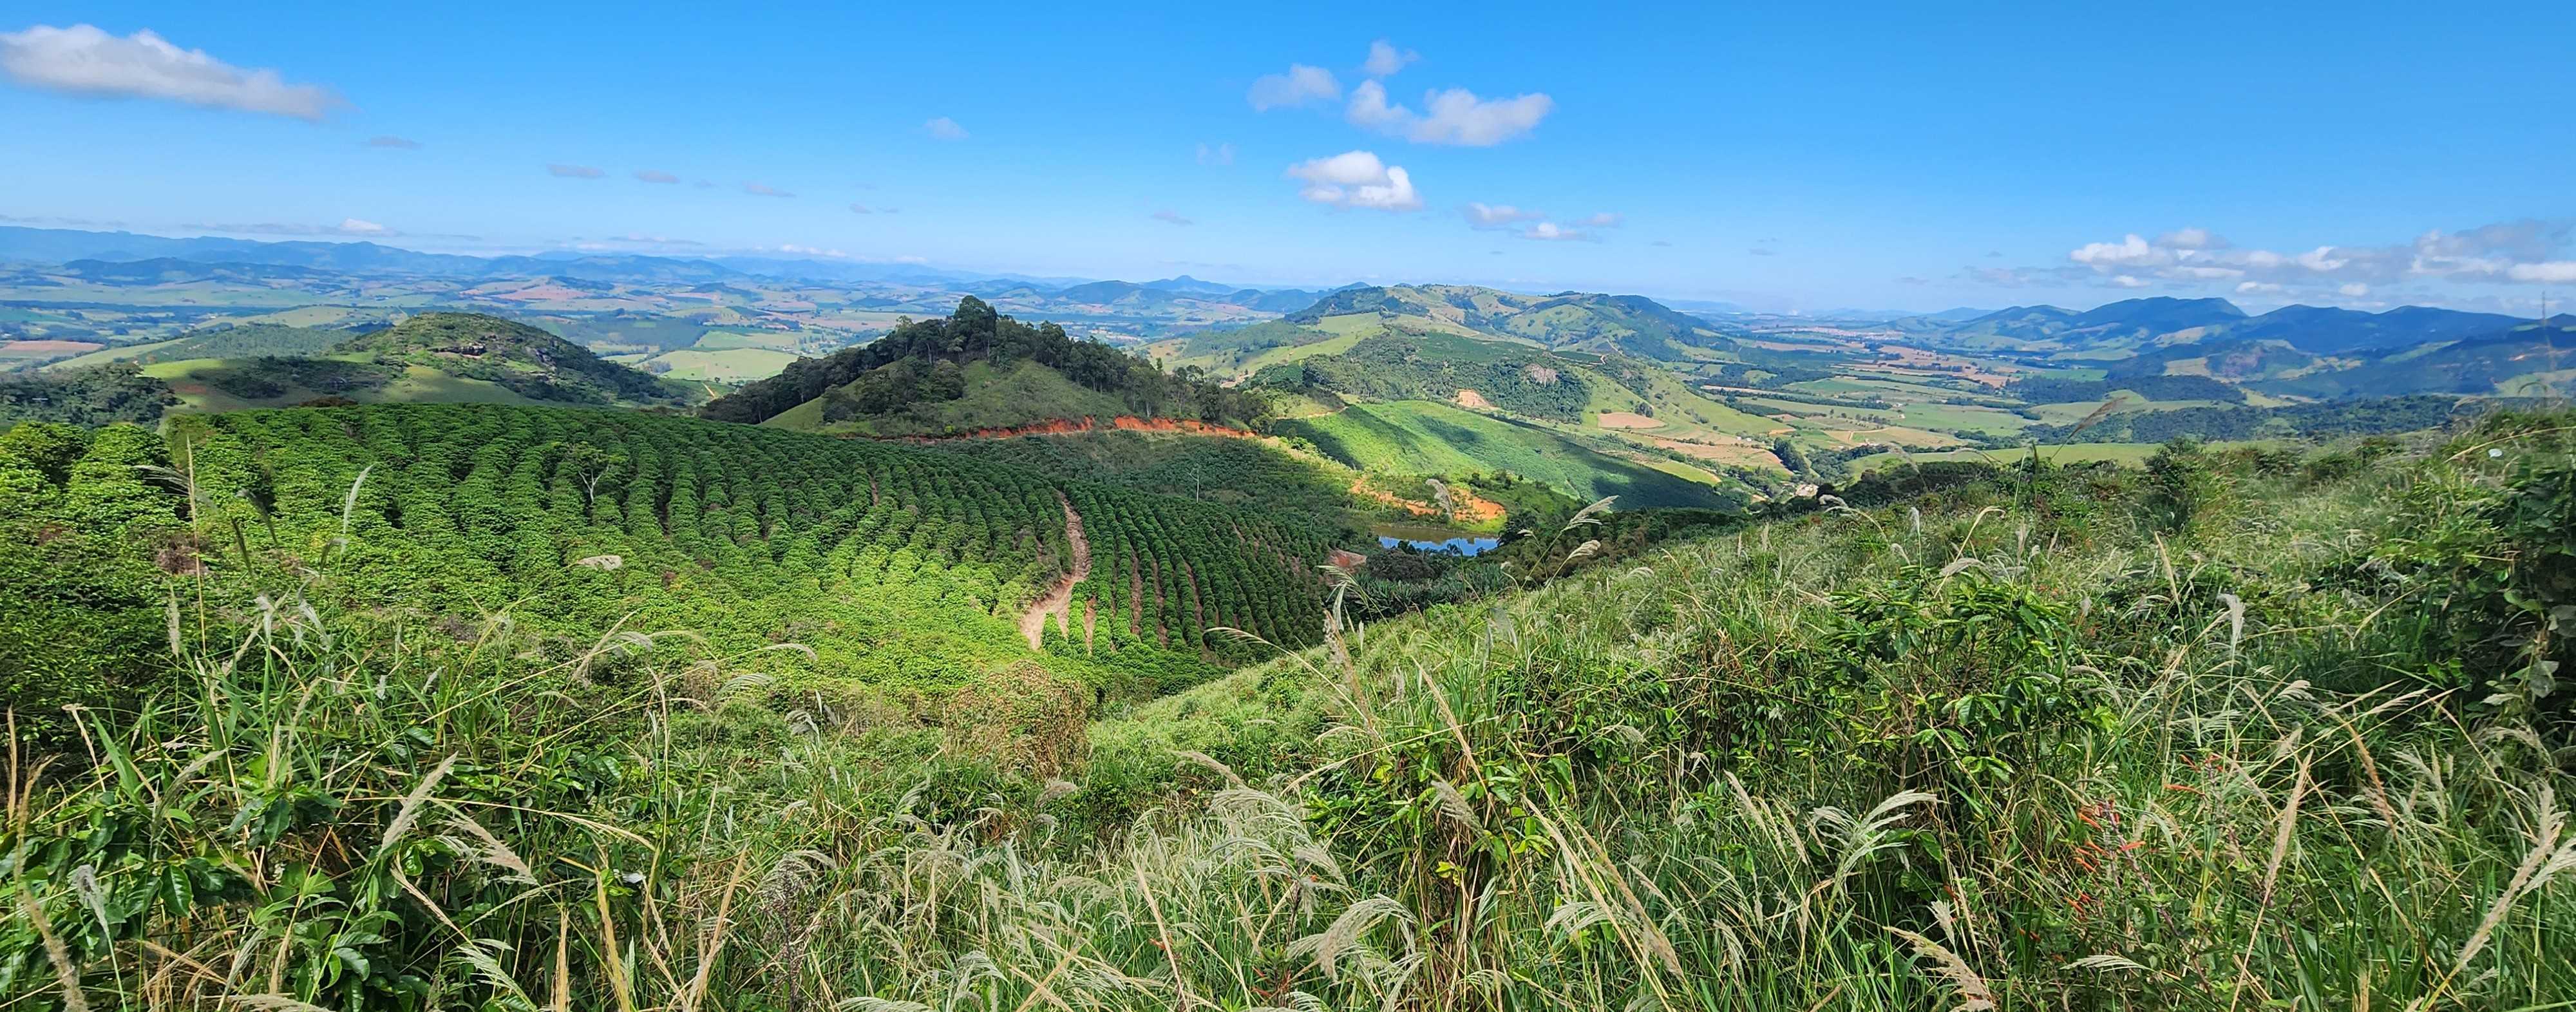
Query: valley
(1194,600)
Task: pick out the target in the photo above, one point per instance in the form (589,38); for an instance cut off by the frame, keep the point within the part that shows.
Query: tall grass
(2027,745)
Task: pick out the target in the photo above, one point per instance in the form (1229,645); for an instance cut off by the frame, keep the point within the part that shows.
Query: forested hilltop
(2239,728)
(974,369)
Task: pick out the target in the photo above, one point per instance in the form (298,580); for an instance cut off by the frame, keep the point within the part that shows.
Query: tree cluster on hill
(2311,421)
(251,339)
(97,395)
(266,377)
(976,333)
(2051,390)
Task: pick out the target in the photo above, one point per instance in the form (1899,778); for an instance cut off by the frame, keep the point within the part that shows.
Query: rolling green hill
(1426,438)
(1627,324)
(974,369)
(1573,321)
(523,359)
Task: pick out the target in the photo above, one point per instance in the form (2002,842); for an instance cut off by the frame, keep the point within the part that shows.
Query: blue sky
(1904,156)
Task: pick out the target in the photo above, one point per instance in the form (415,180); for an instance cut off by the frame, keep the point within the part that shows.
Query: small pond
(1435,539)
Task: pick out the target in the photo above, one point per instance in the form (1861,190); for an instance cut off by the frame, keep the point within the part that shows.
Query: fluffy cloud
(354,226)
(1455,116)
(2513,252)
(2126,281)
(2555,272)
(2135,251)
(1301,85)
(943,128)
(1548,231)
(2191,239)
(389,141)
(85,60)
(1356,179)
(1173,217)
(650,176)
(1488,216)
(1216,154)
(573,171)
(1385,59)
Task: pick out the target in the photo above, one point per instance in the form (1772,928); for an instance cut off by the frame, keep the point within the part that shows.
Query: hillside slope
(894,565)
(2082,738)
(523,359)
(1569,321)
(974,369)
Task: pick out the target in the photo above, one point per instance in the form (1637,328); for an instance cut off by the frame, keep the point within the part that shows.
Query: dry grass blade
(1974,995)
(410,810)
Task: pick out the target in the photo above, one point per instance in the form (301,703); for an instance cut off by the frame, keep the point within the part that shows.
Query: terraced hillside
(895,565)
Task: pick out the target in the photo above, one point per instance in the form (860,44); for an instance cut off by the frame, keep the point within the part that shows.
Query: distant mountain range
(2134,323)
(2303,351)
(233,259)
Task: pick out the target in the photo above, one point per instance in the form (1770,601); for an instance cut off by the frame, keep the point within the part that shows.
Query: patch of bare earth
(1736,453)
(1628,420)
(1058,600)
(1472,399)
(49,346)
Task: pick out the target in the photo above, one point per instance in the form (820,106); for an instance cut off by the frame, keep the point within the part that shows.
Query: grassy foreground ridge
(2236,730)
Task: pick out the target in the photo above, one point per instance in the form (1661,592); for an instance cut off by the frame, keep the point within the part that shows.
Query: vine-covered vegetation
(888,564)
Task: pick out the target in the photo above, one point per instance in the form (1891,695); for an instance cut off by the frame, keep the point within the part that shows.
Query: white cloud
(1456,116)
(2126,281)
(1548,231)
(2501,253)
(650,176)
(354,226)
(944,129)
(84,60)
(1301,85)
(759,190)
(573,171)
(860,209)
(1356,179)
(1496,215)
(389,141)
(1173,217)
(1604,219)
(2191,239)
(2135,251)
(813,252)
(1385,59)
(1217,154)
